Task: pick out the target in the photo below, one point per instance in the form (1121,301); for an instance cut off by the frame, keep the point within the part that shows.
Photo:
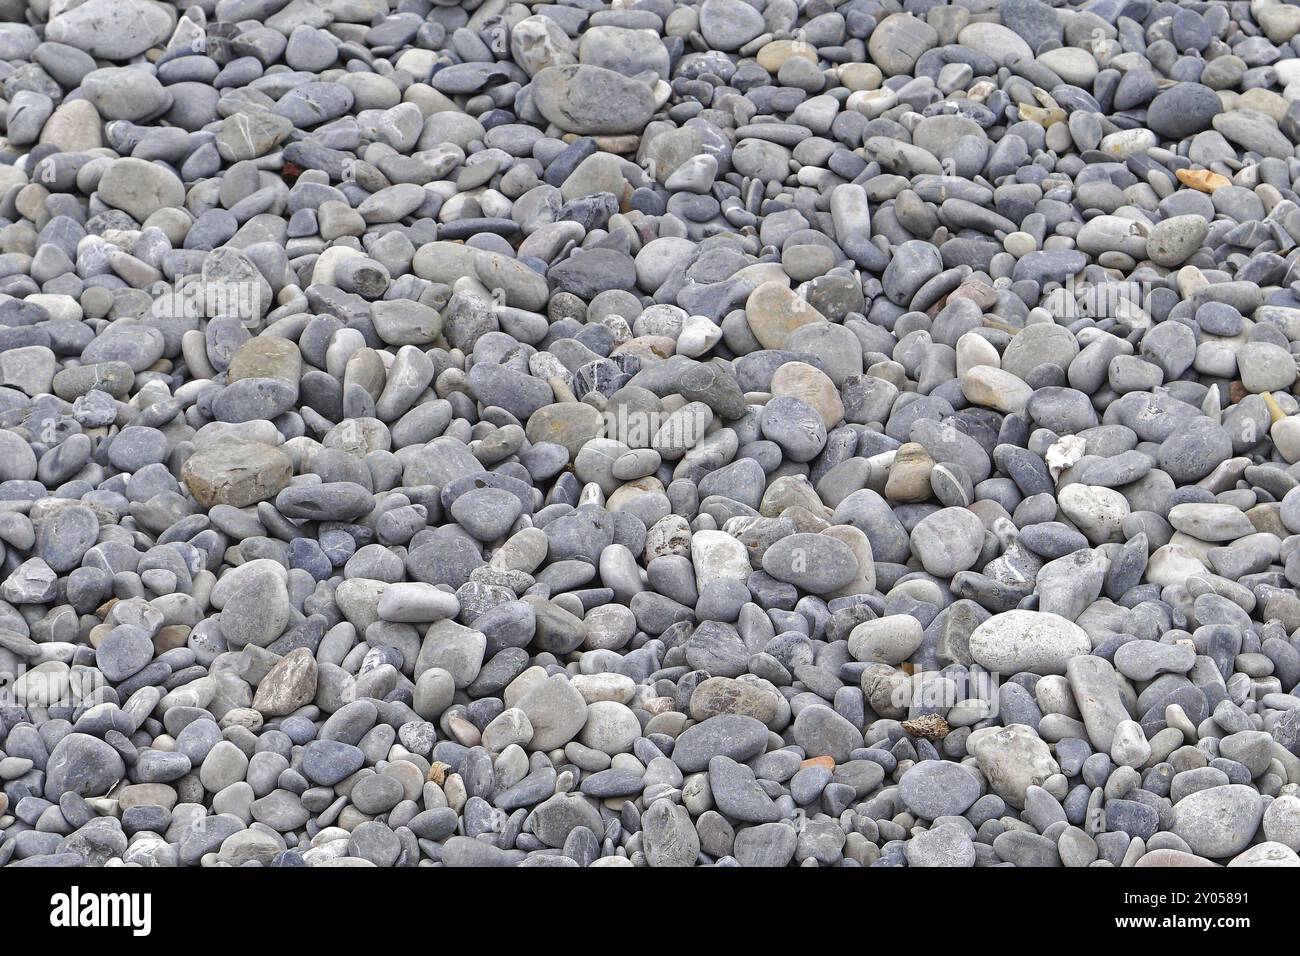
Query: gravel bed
(662,434)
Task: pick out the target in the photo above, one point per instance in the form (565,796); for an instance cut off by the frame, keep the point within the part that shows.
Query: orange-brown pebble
(827,762)
(1202,179)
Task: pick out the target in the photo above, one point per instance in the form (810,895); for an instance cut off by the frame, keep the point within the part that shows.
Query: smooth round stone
(1266,367)
(416,603)
(1076,66)
(125,94)
(898,41)
(887,640)
(941,846)
(773,312)
(327,762)
(732,735)
(327,501)
(815,563)
(1267,854)
(17,460)
(1096,511)
(310,49)
(1210,522)
(610,727)
(995,388)
(1036,345)
(1182,109)
(139,188)
(1191,453)
(1219,822)
(670,839)
(236,473)
(1143,660)
(124,651)
(794,425)
(556,712)
(938,788)
(486,513)
(591,100)
(1282,821)
(1021,640)
(1173,241)
(83,765)
(729,24)
(377,793)
(135,447)
(821,731)
(66,536)
(812,386)
(948,541)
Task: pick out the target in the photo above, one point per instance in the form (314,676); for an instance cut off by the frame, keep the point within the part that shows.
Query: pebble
(1023,640)
(948,541)
(1218,822)
(937,788)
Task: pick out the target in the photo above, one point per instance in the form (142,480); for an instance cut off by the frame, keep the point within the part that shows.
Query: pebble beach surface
(671,433)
